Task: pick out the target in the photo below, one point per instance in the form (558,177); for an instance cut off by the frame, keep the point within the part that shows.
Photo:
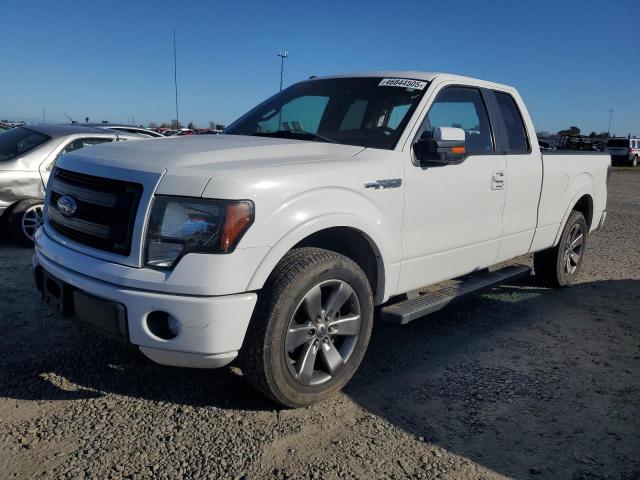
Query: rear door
(523,178)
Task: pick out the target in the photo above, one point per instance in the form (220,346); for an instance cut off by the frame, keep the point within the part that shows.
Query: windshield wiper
(294,133)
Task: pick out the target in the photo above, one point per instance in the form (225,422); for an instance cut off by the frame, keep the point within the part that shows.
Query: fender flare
(314,225)
(586,189)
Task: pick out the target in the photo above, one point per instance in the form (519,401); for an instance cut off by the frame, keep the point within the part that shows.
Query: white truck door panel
(455,220)
(523,178)
(453,213)
(523,182)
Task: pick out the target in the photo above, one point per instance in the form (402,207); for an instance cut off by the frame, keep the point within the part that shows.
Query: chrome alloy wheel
(322,332)
(32,220)
(573,249)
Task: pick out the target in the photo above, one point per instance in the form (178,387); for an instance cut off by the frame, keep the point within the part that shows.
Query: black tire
(264,359)
(634,162)
(15,220)
(550,266)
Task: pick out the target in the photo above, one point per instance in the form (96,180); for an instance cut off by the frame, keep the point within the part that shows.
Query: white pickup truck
(274,241)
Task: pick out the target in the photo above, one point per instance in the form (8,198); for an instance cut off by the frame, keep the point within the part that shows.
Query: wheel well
(356,245)
(6,213)
(585,206)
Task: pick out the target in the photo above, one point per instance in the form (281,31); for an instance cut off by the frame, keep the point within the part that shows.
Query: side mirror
(445,145)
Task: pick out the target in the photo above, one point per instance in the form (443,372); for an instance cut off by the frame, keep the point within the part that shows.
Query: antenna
(175,76)
(70,119)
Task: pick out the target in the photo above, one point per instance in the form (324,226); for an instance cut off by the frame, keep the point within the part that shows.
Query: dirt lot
(521,382)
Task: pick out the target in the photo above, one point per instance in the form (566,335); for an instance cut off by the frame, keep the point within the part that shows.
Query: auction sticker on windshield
(402,82)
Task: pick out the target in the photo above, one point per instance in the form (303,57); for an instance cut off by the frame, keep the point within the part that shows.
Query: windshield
(18,141)
(618,142)
(368,112)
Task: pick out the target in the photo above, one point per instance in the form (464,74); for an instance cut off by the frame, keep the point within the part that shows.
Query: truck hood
(186,164)
(207,154)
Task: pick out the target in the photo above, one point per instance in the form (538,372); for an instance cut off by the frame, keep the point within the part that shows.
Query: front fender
(320,209)
(16,185)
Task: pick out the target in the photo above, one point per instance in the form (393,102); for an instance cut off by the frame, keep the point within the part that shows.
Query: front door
(453,213)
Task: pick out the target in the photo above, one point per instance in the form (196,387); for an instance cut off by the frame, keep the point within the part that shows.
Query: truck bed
(569,175)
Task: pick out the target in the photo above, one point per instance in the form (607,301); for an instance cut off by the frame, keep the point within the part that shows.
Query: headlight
(181,225)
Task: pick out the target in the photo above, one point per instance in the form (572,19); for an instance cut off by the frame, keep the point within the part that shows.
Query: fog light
(163,325)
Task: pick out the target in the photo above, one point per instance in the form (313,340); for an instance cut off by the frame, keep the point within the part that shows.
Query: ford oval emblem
(67,205)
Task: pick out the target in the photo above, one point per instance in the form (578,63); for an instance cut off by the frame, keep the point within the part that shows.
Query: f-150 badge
(384,183)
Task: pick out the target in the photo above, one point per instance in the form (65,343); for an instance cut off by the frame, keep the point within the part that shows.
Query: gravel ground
(520,382)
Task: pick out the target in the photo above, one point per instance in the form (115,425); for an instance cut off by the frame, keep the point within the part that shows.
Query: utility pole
(175,77)
(610,115)
(282,56)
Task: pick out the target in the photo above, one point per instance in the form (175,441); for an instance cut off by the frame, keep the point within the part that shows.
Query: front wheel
(311,327)
(634,162)
(559,266)
(25,219)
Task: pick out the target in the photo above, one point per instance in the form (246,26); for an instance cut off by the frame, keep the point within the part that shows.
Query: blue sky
(571,60)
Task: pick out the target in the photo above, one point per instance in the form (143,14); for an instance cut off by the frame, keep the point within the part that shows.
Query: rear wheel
(25,219)
(559,266)
(311,328)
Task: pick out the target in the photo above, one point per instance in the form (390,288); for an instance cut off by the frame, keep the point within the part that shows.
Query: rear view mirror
(445,145)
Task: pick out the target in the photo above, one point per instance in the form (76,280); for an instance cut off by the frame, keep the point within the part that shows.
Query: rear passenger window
(516,140)
(83,142)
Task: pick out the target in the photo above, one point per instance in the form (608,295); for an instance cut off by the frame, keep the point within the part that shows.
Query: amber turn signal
(238,217)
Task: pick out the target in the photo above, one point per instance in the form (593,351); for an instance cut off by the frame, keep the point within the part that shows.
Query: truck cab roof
(417,75)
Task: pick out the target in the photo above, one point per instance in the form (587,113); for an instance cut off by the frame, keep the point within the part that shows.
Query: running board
(408,310)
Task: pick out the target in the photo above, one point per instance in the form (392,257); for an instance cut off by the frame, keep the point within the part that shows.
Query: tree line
(575,131)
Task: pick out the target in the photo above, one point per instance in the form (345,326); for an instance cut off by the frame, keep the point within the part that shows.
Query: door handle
(498,179)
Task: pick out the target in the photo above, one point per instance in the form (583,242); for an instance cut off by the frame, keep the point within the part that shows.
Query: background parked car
(544,145)
(624,151)
(577,142)
(27,156)
(125,128)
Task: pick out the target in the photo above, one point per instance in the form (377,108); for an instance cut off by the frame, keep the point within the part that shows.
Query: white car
(625,151)
(274,241)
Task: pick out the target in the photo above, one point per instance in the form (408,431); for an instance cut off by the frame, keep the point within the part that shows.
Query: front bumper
(212,328)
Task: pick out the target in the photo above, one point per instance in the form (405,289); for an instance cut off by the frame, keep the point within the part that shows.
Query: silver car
(27,156)
(145,132)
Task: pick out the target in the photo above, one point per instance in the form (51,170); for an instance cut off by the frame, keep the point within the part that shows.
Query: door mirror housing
(445,145)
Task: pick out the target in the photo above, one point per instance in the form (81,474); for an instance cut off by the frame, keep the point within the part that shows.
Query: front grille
(105,213)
